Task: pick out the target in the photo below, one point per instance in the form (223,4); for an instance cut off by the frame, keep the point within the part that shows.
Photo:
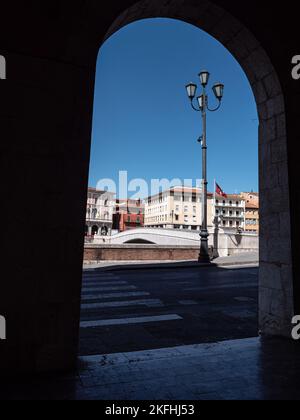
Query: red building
(129,214)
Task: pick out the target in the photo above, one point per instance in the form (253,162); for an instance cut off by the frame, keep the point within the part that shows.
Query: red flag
(219,191)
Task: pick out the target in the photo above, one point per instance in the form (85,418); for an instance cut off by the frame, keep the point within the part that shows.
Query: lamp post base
(204,257)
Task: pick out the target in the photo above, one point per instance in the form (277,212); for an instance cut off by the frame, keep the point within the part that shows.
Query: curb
(170,265)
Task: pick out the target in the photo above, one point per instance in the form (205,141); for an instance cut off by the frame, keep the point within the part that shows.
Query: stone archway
(276,274)
(50,83)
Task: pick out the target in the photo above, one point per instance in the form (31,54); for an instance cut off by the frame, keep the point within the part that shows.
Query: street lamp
(203,107)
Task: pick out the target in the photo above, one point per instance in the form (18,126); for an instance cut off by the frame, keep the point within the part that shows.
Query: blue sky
(143,122)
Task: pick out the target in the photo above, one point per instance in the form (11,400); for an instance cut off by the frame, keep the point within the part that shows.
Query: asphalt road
(135,310)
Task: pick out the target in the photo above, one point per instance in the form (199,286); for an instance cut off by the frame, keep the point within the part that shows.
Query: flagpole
(215,197)
(216,223)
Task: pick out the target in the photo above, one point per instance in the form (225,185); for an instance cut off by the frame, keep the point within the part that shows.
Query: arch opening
(275,306)
(276,303)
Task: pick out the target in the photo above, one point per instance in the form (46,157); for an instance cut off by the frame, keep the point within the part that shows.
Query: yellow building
(252,212)
(177,208)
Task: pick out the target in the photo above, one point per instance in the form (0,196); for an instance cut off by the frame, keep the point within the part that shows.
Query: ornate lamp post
(203,107)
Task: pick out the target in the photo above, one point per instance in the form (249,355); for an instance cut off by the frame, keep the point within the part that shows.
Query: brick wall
(144,252)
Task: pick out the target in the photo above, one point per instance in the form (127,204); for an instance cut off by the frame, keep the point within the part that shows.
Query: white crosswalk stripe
(114,295)
(100,293)
(150,303)
(104,283)
(96,289)
(128,321)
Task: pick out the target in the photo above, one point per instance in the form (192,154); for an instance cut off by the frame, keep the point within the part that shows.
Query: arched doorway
(104,231)
(95,230)
(276,296)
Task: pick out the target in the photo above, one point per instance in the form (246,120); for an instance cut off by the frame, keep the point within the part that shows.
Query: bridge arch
(139,241)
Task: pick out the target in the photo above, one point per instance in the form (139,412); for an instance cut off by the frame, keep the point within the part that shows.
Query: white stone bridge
(227,243)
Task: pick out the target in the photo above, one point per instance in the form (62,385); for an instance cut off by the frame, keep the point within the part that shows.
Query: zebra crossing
(102,292)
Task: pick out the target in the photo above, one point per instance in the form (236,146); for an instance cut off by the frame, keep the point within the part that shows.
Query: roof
(100,192)
(251,193)
(179,189)
(230,197)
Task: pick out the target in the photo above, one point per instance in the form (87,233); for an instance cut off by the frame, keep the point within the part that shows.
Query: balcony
(231,216)
(228,205)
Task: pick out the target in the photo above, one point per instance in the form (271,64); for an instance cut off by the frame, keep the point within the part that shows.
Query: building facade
(230,211)
(252,212)
(177,208)
(99,213)
(128,214)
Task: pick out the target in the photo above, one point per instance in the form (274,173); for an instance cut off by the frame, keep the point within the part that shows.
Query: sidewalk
(247,259)
(249,369)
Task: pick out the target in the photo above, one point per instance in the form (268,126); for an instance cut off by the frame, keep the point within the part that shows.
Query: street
(143,335)
(134,310)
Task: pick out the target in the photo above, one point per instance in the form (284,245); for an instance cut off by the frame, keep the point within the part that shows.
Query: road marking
(101,276)
(150,303)
(221,287)
(104,283)
(238,267)
(107,289)
(114,295)
(129,321)
(188,302)
(244,299)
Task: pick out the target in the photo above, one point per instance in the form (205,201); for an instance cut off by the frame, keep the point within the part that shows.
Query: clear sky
(143,122)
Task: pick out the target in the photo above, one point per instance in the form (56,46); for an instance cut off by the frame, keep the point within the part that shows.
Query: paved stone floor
(133,310)
(249,369)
